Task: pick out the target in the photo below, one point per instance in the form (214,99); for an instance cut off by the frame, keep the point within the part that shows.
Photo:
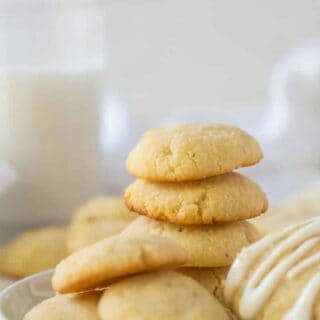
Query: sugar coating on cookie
(207,245)
(157,296)
(278,277)
(34,251)
(192,152)
(71,307)
(224,198)
(98,265)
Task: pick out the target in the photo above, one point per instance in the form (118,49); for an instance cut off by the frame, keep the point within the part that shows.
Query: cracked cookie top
(192,152)
(203,242)
(224,198)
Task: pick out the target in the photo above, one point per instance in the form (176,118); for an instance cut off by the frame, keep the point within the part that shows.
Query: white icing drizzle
(302,310)
(304,264)
(298,239)
(260,292)
(246,258)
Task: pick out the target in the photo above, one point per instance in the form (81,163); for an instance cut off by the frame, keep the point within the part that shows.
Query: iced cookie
(278,277)
(70,307)
(34,251)
(192,152)
(96,220)
(229,197)
(98,265)
(207,245)
(157,296)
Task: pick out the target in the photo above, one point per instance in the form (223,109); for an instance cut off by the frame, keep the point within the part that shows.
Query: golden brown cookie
(34,251)
(67,307)
(192,152)
(207,245)
(295,209)
(157,296)
(210,278)
(81,234)
(107,208)
(99,218)
(100,264)
(229,197)
(278,277)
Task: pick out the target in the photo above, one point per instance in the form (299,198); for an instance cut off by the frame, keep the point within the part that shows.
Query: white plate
(19,298)
(5,282)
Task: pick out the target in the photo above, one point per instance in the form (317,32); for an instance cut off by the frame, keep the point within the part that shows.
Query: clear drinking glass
(53,58)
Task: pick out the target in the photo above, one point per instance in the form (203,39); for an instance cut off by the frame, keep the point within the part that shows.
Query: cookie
(108,208)
(229,197)
(96,220)
(34,251)
(210,278)
(100,264)
(157,296)
(278,277)
(192,152)
(207,245)
(295,209)
(71,307)
(81,235)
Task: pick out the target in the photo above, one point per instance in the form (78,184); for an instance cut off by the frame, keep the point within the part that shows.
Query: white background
(168,54)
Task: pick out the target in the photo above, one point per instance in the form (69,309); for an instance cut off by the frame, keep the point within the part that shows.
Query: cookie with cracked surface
(210,278)
(72,307)
(192,152)
(207,245)
(157,296)
(278,277)
(224,198)
(98,265)
(34,251)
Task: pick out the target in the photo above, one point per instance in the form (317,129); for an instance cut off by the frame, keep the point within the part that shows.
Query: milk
(50,132)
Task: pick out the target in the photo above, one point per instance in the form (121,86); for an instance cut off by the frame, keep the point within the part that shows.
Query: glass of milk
(52,84)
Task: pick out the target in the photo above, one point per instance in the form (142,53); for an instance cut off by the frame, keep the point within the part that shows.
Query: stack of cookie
(188,192)
(194,206)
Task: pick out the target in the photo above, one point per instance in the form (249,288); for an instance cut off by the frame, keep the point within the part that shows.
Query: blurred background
(80,81)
